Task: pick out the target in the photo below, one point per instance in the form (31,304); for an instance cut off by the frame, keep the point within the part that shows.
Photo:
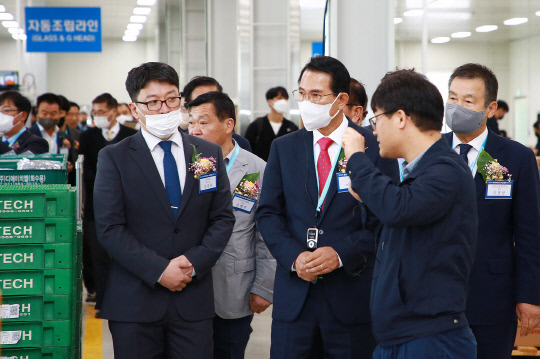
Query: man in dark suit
(196,87)
(163,225)
(14,110)
(107,132)
(505,279)
(263,130)
(315,230)
(428,239)
(492,122)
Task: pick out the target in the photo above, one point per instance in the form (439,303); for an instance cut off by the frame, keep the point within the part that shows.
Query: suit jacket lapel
(143,159)
(238,171)
(191,183)
(310,175)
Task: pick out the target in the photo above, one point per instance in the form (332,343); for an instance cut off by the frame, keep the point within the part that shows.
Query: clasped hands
(177,274)
(310,265)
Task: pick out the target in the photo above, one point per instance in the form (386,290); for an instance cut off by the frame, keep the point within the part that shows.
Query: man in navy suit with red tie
(315,230)
(505,278)
(163,225)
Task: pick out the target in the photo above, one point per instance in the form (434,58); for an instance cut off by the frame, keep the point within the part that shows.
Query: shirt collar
(475,143)
(115,129)
(152,141)
(409,167)
(15,137)
(229,156)
(335,136)
(45,133)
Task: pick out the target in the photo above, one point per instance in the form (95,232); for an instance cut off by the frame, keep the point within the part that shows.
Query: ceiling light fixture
(2,8)
(137,18)
(142,10)
(146,2)
(129,38)
(515,21)
(413,12)
(8,24)
(487,28)
(135,26)
(440,40)
(129,32)
(398,20)
(13,30)
(6,16)
(537,13)
(461,34)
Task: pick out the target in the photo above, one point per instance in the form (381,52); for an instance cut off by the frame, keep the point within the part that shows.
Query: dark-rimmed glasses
(155,105)
(300,96)
(373,120)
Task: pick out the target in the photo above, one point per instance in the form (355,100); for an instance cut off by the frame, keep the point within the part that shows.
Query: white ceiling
(115,14)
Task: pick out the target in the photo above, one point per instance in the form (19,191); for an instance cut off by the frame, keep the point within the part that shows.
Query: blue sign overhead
(316,49)
(63,29)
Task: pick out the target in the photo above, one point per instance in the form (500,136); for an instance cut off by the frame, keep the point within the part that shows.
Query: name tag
(343,181)
(208,182)
(499,189)
(243,203)
(64,150)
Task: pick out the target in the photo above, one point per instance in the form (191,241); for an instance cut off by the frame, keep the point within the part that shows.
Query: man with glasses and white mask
(163,212)
(315,230)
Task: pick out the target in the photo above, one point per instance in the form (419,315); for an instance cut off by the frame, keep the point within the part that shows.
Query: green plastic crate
(41,353)
(38,201)
(36,282)
(38,308)
(37,256)
(9,175)
(34,231)
(36,334)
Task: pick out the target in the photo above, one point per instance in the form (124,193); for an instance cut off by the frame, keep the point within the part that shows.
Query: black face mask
(47,122)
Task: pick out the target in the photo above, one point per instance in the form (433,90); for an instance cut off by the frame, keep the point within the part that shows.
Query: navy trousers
(495,341)
(171,337)
(317,333)
(231,337)
(455,344)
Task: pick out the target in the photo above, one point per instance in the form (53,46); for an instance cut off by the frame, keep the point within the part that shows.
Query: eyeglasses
(373,120)
(100,113)
(155,105)
(8,111)
(300,96)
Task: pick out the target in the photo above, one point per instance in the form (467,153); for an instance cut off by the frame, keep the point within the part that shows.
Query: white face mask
(281,106)
(163,125)
(184,124)
(6,123)
(123,118)
(102,121)
(316,116)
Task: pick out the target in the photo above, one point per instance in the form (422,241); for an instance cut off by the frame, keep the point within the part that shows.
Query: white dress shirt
(334,149)
(474,152)
(110,134)
(51,140)
(177,149)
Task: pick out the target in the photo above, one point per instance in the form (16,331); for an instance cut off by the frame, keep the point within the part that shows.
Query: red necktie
(323,162)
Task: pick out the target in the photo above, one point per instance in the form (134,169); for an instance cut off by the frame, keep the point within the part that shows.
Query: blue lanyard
(233,158)
(471,167)
(14,138)
(328,180)
(401,168)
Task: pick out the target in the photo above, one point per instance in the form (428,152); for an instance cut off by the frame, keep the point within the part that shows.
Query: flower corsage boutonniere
(497,177)
(204,169)
(246,193)
(342,162)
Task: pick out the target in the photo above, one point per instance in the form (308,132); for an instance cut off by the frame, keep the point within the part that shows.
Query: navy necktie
(172,180)
(463,151)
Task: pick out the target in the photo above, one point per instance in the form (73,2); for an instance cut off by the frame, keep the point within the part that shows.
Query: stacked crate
(40,272)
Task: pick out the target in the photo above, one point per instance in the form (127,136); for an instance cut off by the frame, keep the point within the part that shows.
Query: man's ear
(134,111)
(402,118)
(491,109)
(230,125)
(357,112)
(343,100)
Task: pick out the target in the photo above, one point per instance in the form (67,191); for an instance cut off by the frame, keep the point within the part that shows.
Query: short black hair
(358,95)
(223,104)
(73,104)
(107,99)
(64,103)
(139,77)
(196,82)
(19,101)
(49,98)
(276,91)
(503,105)
(478,71)
(411,92)
(329,65)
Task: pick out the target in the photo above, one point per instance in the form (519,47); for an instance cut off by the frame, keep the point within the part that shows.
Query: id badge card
(499,189)
(243,203)
(208,182)
(343,181)
(64,150)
